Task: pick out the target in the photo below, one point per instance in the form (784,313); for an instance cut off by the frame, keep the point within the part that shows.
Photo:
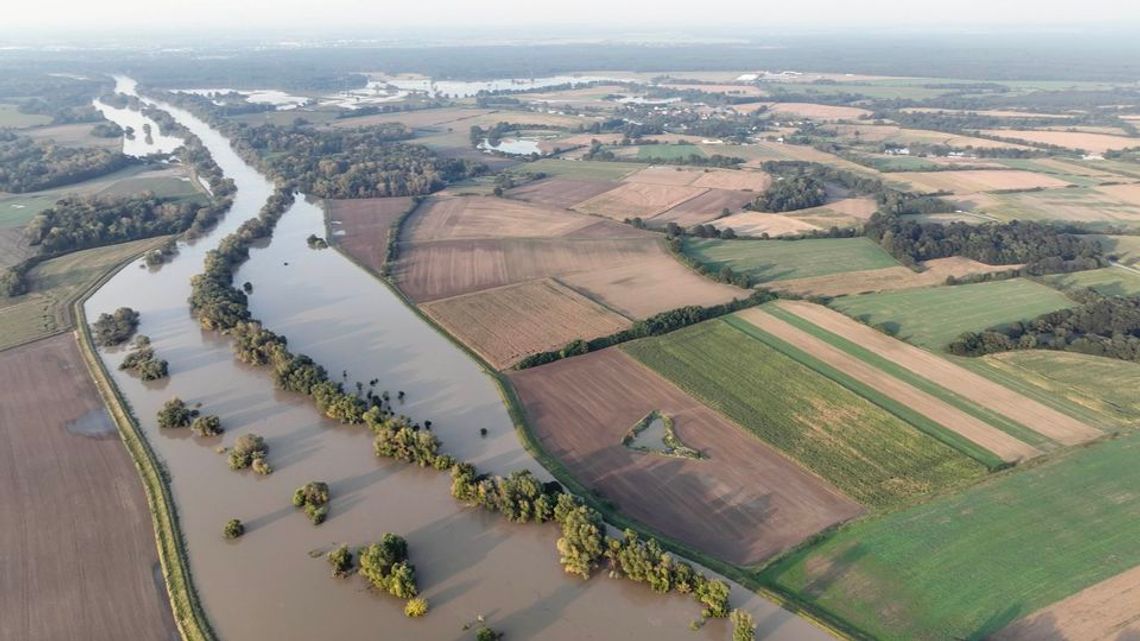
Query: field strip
(1003,423)
(1005,446)
(986,393)
(1103,611)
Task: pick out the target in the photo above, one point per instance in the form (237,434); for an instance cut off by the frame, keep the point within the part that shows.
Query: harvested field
(985,393)
(637,200)
(934,317)
(584,169)
(1080,204)
(974,180)
(704,208)
(434,270)
(755,223)
(814,111)
(1128,193)
(996,113)
(666,175)
(772,260)
(965,565)
(560,192)
(654,284)
(361,226)
(75,135)
(1105,611)
(1098,143)
(889,278)
(505,324)
(473,217)
(79,553)
(868,453)
(744,503)
(741,180)
(950,418)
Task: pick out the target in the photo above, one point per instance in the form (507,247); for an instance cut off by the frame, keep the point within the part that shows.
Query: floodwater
(271,583)
(652,436)
(512,146)
(280,99)
(141,144)
(466,89)
(94,424)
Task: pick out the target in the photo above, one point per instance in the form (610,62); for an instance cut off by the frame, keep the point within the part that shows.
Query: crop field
(1125,248)
(1075,204)
(10,116)
(1117,280)
(76,135)
(80,556)
(963,566)
(773,260)
(45,309)
(637,200)
(1097,143)
(932,318)
(1028,419)
(584,169)
(870,454)
(472,217)
(863,133)
(927,409)
(741,179)
(505,324)
(744,502)
(888,278)
(563,193)
(755,223)
(460,118)
(704,208)
(1103,611)
(974,180)
(668,152)
(814,111)
(361,226)
(666,175)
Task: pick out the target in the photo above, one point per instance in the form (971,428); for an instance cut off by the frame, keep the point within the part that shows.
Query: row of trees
(143,362)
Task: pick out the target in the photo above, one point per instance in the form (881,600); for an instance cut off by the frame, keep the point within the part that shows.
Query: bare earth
(505,324)
(370,219)
(1098,143)
(744,503)
(743,180)
(560,192)
(79,552)
(1106,611)
(974,180)
(665,175)
(814,111)
(656,284)
(754,223)
(1003,445)
(637,200)
(1060,427)
(475,217)
(704,208)
(888,278)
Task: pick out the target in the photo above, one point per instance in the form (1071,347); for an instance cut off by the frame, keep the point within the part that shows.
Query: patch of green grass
(933,317)
(964,565)
(896,163)
(45,309)
(668,152)
(584,169)
(772,260)
(10,116)
(1011,427)
(1110,281)
(1125,248)
(868,453)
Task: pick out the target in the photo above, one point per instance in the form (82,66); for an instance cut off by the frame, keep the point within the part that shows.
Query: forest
(31,165)
(78,222)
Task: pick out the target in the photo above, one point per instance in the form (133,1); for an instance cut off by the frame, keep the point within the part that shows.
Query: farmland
(871,455)
(668,152)
(775,260)
(584,169)
(744,502)
(563,193)
(1117,280)
(934,273)
(370,220)
(1090,142)
(932,318)
(1076,204)
(970,181)
(967,564)
(704,207)
(637,200)
(80,560)
(11,116)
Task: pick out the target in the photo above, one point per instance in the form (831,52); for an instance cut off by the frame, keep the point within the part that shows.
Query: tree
(385,565)
(207,426)
(416,607)
(114,329)
(175,413)
(341,561)
(247,449)
(487,634)
(234,529)
(743,626)
(313,498)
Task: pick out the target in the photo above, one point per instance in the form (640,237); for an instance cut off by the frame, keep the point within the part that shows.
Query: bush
(416,607)
(175,413)
(207,426)
(234,529)
(341,561)
(385,565)
(114,329)
(313,498)
(247,448)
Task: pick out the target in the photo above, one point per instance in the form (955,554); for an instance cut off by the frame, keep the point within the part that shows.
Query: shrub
(247,448)
(416,607)
(175,413)
(234,529)
(207,426)
(341,561)
(313,498)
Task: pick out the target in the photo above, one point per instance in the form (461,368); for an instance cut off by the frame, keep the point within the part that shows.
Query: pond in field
(271,583)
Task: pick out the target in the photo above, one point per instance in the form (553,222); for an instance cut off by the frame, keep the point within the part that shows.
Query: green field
(1079,204)
(668,152)
(870,454)
(934,317)
(772,260)
(1125,248)
(1110,281)
(584,169)
(963,566)
(896,163)
(10,116)
(44,310)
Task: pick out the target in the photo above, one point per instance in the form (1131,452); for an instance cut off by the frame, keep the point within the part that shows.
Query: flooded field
(270,583)
(141,143)
(512,146)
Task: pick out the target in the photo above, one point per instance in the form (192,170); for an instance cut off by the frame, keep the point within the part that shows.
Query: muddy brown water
(268,583)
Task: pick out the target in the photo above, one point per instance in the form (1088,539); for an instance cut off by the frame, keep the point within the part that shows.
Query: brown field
(739,180)
(996,113)
(459,118)
(704,208)
(633,200)
(651,285)
(434,270)
(1098,143)
(1128,193)
(665,175)
(979,180)
(365,223)
(76,135)
(744,503)
(586,139)
(982,391)
(562,193)
(759,152)
(901,135)
(507,323)
(734,90)
(474,217)
(889,278)
(79,552)
(1003,445)
(1105,611)
(754,223)
(813,111)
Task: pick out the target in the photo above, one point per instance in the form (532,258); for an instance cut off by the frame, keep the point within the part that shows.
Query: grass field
(584,169)
(10,116)
(965,565)
(934,317)
(1110,281)
(772,260)
(868,453)
(1125,248)
(44,309)
(668,152)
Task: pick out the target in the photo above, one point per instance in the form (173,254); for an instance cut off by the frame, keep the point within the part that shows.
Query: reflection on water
(141,143)
(266,585)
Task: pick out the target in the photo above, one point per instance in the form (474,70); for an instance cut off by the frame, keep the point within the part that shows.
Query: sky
(385,16)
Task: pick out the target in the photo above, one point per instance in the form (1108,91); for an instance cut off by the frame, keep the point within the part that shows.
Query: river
(272,583)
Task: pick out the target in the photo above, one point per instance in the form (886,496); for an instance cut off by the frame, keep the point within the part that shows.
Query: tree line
(33,165)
